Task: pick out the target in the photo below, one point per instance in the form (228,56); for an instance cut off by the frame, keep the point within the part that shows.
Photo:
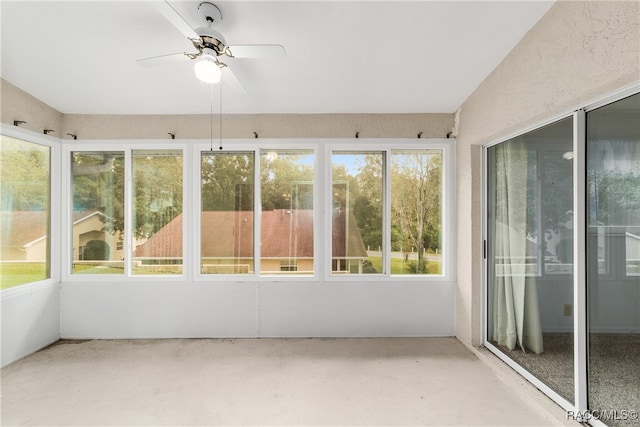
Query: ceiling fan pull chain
(211,116)
(220,117)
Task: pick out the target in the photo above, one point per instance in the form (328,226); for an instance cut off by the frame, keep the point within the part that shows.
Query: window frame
(192,204)
(128,147)
(388,146)
(54,208)
(257,147)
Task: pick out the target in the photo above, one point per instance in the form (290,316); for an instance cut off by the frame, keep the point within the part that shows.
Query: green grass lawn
(398,266)
(97,269)
(18,274)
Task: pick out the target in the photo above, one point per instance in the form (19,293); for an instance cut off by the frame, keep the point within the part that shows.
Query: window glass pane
(529,218)
(416,224)
(156,242)
(356,221)
(24,212)
(98,212)
(227,237)
(286,239)
(613,259)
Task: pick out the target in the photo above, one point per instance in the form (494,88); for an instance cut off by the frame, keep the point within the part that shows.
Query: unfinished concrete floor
(390,381)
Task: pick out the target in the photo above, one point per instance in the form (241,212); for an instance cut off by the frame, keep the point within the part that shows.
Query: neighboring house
(227,242)
(25,235)
(89,225)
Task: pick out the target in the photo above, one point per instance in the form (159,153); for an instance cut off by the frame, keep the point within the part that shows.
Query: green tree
(415,203)
(24,175)
(98,184)
(227,181)
(286,181)
(157,191)
(367,207)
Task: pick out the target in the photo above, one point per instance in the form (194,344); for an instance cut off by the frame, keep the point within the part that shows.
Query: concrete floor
(389,381)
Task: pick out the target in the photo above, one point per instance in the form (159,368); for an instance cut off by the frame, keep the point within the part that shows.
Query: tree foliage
(24,175)
(415,203)
(227,181)
(286,181)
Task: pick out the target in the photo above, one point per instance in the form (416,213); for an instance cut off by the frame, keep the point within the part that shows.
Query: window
(156,237)
(227,223)
(378,231)
(256,213)
(286,185)
(24,212)
(356,212)
(416,199)
(97,179)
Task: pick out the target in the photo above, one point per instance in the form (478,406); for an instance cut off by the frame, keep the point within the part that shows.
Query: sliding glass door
(530,253)
(532,286)
(613,259)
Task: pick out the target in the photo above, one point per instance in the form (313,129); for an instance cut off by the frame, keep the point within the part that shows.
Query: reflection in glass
(356,245)
(227,213)
(97,180)
(156,240)
(286,240)
(24,212)
(530,253)
(416,223)
(613,258)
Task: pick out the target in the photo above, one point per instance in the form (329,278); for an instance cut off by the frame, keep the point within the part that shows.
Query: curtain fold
(516,313)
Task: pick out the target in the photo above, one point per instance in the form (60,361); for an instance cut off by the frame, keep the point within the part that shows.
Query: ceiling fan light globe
(207,71)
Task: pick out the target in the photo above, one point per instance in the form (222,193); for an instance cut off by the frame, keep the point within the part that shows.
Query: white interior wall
(30,320)
(179,310)
(186,309)
(577,52)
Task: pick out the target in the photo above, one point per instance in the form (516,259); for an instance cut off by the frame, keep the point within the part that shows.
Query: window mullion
(386,214)
(128,211)
(257,209)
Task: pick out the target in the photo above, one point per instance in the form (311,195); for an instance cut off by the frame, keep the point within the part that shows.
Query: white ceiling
(342,57)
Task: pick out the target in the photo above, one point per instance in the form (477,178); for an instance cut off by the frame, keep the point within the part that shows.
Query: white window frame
(257,147)
(388,146)
(321,148)
(67,200)
(54,208)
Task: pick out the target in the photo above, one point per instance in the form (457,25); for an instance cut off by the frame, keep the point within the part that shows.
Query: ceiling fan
(210,45)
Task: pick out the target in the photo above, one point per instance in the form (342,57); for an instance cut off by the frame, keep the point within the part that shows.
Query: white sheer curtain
(516,314)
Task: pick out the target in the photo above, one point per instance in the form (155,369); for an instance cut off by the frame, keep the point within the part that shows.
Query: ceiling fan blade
(163,59)
(178,21)
(257,51)
(231,80)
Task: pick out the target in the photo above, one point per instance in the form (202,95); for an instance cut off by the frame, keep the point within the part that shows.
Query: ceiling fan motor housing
(210,39)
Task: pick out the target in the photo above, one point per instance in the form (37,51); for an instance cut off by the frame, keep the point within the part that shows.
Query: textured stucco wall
(19,105)
(577,52)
